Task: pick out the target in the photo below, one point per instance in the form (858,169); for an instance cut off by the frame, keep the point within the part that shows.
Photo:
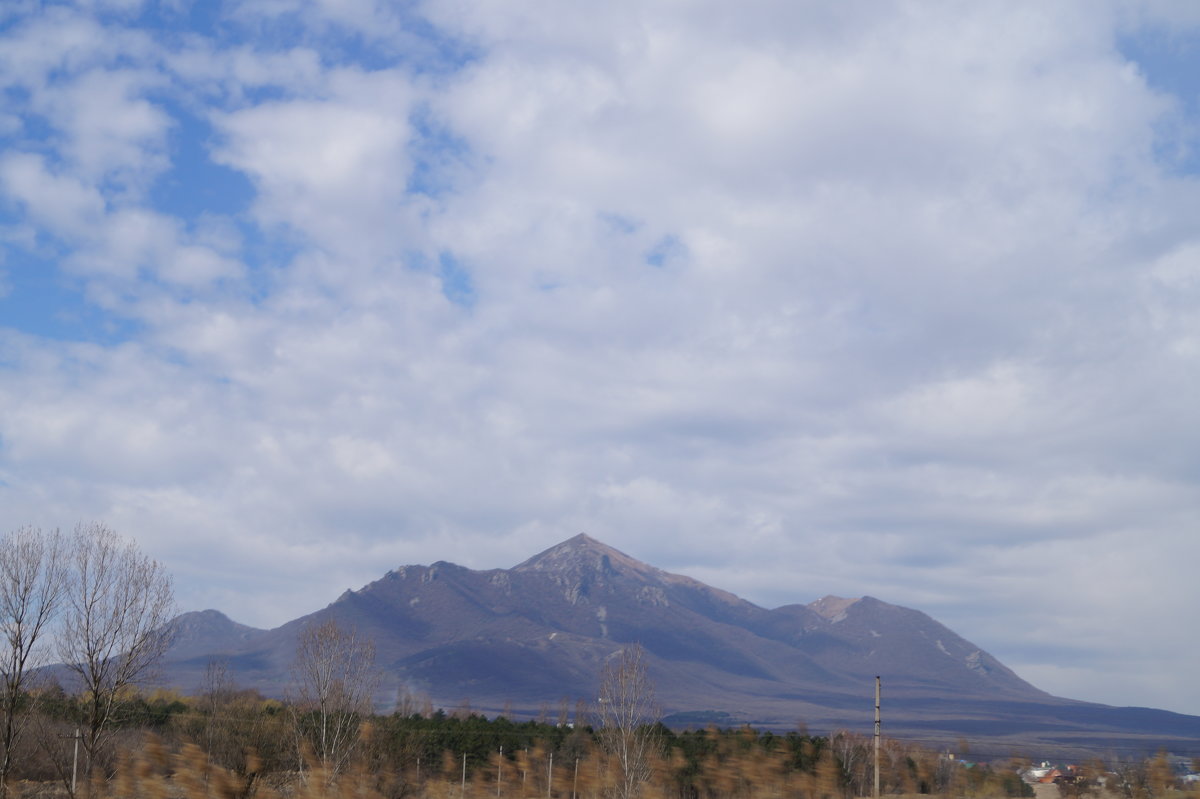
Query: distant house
(1035,773)
(1046,773)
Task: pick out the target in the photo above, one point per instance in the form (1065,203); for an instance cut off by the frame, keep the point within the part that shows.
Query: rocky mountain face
(530,637)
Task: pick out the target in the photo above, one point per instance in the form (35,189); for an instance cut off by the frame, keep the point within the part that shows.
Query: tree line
(237,744)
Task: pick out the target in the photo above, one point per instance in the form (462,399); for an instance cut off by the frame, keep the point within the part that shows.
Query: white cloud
(897,298)
(334,170)
(111,131)
(61,203)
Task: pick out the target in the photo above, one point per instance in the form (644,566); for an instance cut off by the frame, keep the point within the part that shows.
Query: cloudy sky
(797,298)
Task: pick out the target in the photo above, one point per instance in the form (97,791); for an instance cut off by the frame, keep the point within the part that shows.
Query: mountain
(531,636)
(200,633)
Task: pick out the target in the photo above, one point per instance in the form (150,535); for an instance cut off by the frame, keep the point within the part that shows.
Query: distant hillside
(528,637)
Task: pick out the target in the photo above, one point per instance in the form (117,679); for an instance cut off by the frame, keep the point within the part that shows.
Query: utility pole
(75,762)
(74,758)
(876,794)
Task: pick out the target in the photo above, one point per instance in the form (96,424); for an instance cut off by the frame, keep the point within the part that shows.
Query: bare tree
(408,702)
(854,754)
(335,682)
(115,626)
(31,587)
(237,730)
(215,694)
(627,714)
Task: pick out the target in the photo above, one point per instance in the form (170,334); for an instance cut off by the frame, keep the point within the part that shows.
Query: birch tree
(115,625)
(31,588)
(335,680)
(627,712)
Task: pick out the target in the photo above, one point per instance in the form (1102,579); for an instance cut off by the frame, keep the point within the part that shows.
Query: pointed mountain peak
(206,620)
(207,631)
(832,607)
(585,553)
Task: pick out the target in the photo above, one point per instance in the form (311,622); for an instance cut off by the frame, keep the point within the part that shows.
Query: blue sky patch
(1170,63)
(620,223)
(439,157)
(42,301)
(456,281)
(667,249)
(196,184)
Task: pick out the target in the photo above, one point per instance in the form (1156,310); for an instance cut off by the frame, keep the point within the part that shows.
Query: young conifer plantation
(240,744)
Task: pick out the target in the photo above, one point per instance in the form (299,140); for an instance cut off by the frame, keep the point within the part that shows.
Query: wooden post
(75,762)
(876,794)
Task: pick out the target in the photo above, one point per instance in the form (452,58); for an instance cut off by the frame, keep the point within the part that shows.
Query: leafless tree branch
(335,681)
(627,712)
(32,580)
(115,625)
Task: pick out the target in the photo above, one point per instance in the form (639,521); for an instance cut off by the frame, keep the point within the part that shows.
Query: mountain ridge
(539,632)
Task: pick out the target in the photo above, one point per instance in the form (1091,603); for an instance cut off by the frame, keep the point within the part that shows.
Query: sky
(797,298)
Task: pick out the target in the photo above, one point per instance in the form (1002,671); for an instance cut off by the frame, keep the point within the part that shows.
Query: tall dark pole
(876,794)
(75,762)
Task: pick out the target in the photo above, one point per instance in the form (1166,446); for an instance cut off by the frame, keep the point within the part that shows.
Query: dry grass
(156,772)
